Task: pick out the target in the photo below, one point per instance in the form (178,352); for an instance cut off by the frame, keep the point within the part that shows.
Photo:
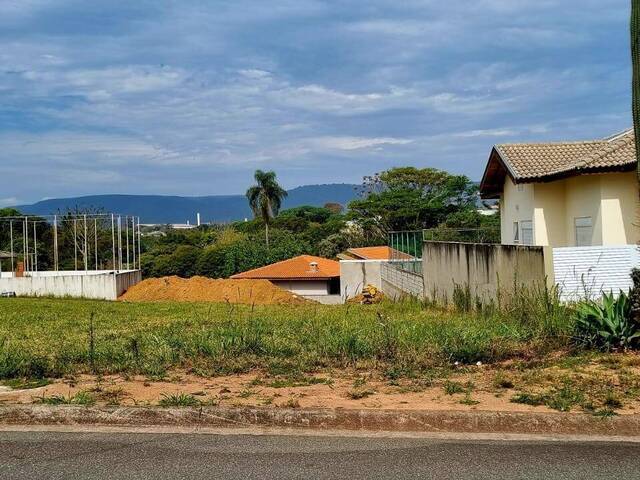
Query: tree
(635,58)
(408,198)
(265,198)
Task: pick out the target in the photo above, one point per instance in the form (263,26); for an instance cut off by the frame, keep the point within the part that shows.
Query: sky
(183,97)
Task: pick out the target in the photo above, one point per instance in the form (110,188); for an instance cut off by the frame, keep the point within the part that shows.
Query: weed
(80,398)
(246,393)
(452,388)
(178,400)
(529,399)
(359,394)
(500,380)
(612,401)
(467,400)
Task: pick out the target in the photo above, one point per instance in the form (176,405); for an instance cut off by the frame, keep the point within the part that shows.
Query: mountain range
(177,209)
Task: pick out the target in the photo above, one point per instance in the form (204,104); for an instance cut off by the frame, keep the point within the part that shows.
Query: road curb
(323,419)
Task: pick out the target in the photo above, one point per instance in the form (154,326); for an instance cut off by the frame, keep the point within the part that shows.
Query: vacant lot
(385,355)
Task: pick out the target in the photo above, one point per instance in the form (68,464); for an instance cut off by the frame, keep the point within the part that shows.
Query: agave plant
(608,324)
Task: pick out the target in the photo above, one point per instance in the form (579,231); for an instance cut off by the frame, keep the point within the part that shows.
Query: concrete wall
(610,199)
(357,274)
(304,287)
(92,285)
(486,269)
(397,283)
(325,299)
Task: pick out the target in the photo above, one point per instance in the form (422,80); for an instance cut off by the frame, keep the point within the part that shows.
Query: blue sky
(190,97)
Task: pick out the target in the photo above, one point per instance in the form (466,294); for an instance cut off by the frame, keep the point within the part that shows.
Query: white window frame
(516,233)
(526,226)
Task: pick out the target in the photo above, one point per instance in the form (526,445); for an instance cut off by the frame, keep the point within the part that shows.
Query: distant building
(306,275)
(373,253)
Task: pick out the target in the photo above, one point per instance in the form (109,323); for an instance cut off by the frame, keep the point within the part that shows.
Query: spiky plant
(265,198)
(635,59)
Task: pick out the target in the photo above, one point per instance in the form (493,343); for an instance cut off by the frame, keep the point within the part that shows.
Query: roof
(543,162)
(373,253)
(297,268)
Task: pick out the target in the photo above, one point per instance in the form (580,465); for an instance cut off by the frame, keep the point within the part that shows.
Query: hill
(176,209)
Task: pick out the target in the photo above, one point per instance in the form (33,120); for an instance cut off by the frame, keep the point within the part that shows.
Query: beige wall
(485,269)
(516,205)
(610,199)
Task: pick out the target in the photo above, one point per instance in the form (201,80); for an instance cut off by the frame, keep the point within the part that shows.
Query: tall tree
(265,198)
(635,58)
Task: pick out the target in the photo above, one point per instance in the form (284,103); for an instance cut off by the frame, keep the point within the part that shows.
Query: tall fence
(406,251)
(69,242)
(463,235)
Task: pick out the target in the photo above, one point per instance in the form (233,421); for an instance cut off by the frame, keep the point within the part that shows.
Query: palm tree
(265,198)
(635,58)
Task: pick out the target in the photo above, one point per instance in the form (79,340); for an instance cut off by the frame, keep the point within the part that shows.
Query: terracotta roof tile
(297,268)
(371,253)
(536,160)
(539,162)
(375,253)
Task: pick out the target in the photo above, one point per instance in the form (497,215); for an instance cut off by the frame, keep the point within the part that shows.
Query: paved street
(36,455)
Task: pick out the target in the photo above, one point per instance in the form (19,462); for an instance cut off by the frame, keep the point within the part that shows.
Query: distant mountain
(173,209)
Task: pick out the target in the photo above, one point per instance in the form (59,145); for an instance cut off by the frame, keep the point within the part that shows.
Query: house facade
(573,194)
(305,275)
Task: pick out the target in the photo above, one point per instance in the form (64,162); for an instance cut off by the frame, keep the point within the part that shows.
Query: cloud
(189,97)
(355,143)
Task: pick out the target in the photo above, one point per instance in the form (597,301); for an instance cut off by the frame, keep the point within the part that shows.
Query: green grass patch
(26,383)
(51,338)
(178,400)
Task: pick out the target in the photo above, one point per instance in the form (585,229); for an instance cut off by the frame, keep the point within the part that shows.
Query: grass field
(388,354)
(56,337)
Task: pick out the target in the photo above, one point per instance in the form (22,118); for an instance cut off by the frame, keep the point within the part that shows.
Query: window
(516,233)
(584,231)
(526,231)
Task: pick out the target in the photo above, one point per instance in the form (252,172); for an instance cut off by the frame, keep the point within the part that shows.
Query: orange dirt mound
(201,289)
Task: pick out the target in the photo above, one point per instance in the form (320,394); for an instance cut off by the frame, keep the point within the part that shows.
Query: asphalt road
(35,455)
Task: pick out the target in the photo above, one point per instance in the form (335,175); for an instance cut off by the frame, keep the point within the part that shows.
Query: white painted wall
(97,286)
(357,274)
(304,287)
(587,272)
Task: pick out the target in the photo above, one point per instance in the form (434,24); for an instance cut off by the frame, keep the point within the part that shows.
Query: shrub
(607,324)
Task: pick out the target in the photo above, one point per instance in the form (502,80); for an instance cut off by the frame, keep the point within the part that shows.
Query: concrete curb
(324,420)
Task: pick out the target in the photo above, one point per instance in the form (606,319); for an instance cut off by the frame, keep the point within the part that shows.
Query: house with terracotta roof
(305,275)
(372,253)
(567,194)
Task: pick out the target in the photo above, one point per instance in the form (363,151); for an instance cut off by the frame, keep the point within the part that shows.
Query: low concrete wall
(325,299)
(91,285)
(486,269)
(357,274)
(397,283)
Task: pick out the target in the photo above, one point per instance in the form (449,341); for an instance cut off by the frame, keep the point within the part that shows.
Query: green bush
(607,324)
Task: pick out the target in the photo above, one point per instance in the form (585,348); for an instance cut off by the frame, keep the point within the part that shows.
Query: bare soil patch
(610,385)
(202,289)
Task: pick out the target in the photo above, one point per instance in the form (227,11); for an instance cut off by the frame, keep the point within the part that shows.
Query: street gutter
(319,420)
